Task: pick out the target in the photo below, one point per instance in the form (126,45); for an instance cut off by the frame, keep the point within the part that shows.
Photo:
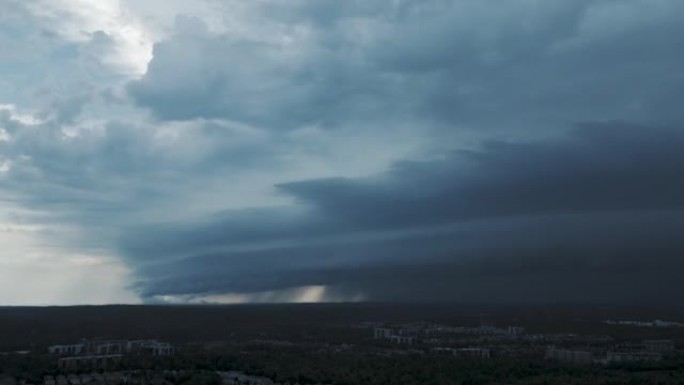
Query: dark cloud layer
(593,216)
(386,150)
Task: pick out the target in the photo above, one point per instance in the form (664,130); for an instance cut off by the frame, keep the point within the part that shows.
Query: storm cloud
(432,150)
(434,62)
(580,218)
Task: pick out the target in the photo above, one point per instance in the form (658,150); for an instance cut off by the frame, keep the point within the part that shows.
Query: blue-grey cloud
(600,206)
(386,150)
(448,62)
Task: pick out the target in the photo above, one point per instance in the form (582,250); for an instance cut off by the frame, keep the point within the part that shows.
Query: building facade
(631,357)
(570,356)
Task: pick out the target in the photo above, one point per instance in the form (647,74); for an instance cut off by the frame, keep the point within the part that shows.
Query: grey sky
(234,151)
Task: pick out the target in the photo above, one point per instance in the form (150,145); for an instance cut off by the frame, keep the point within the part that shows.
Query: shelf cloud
(318,150)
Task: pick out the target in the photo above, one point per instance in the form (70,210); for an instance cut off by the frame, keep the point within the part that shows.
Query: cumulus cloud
(454,62)
(103,22)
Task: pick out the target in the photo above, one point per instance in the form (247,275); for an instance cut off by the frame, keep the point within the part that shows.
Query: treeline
(299,366)
(36,328)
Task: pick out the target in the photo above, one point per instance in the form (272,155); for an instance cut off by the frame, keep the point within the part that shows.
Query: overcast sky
(192,151)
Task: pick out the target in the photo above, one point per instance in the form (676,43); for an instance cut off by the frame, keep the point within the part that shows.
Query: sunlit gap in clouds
(304,294)
(117,39)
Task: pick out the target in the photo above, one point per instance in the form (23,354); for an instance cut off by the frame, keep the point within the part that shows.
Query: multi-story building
(473,352)
(392,336)
(569,356)
(104,354)
(382,333)
(658,346)
(402,340)
(62,350)
(98,361)
(629,357)
(102,348)
(151,347)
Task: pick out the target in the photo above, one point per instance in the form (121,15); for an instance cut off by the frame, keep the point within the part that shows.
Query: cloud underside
(594,216)
(533,216)
(346,150)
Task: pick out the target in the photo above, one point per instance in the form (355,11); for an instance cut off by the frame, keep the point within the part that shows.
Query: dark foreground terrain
(351,344)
